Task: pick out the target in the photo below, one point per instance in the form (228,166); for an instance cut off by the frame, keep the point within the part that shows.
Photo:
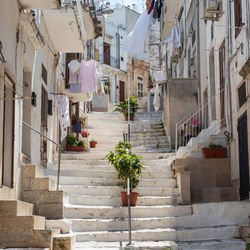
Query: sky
(141,3)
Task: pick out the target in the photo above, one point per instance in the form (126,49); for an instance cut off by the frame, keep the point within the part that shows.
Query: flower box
(214,152)
(75,148)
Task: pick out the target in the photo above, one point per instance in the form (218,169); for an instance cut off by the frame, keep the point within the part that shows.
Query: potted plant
(122,107)
(127,165)
(93,143)
(74,145)
(85,134)
(214,151)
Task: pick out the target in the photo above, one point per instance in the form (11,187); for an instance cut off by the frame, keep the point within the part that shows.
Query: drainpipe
(228,42)
(79,8)
(198,53)
(248,27)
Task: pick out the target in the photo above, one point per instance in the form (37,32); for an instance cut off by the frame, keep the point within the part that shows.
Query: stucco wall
(180,99)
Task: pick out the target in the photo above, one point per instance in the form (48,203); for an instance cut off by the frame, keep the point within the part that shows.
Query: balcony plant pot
(214,152)
(75,148)
(133,198)
(131,118)
(93,144)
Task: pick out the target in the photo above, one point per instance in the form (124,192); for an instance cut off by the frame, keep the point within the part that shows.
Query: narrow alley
(124,124)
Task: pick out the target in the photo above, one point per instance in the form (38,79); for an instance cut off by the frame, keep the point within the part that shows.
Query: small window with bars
(140,89)
(242,94)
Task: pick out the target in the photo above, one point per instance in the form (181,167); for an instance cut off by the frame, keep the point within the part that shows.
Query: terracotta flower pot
(131,118)
(133,198)
(75,148)
(214,152)
(93,144)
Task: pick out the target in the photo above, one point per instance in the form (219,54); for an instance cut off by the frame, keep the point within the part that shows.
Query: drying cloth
(99,84)
(74,66)
(160,76)
(173,41)
(74,78)
(62,104)
(87,75)
(135,42)
(156,8)
(76,88)
(156,101)
(151,6)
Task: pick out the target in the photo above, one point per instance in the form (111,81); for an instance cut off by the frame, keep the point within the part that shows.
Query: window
(242,95)
(212,31)
(237,17)
(140,87)
(106,53)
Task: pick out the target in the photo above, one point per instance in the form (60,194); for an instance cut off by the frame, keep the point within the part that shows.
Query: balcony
(171,11)
(212,10)
(110,60)
(245,70)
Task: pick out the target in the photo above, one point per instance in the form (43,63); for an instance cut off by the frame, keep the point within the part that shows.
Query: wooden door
(106,53)
(122,91)
(243,157)
(8,134)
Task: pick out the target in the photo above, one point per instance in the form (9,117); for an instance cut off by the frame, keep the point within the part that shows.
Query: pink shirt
(87,74)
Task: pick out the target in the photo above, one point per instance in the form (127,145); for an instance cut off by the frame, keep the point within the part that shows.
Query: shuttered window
(237,17)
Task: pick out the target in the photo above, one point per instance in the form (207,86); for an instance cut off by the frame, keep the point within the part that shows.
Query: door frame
(244,115)
(10,79)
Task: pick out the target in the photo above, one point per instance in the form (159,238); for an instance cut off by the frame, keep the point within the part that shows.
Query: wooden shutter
(237,16)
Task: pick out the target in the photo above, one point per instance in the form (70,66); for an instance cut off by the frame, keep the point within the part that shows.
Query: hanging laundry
(74,66)
(155,12)
(135,42)
(156,101)
(62,104)
(74,78)
(87,75)
(151,6)
(160,76)
(99,84)
(160,9)
(76,88)
(173,41)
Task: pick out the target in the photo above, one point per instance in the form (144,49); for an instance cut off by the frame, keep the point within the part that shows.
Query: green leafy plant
(71,140)
(81,144)
(126,163)
(212,145)
(122,107)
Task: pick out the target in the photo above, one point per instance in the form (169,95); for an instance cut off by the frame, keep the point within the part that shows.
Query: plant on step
(85,134)
(122,107)
(74,145)
(93,143)
(81,144)
(212,145)
(71,140)
(127,165)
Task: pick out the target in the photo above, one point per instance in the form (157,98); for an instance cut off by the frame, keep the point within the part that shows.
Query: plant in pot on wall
(214,151)
(127,165)
(74,145)
(122,107)
(93,143)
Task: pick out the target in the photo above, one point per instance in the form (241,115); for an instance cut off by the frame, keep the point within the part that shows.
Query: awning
(39,4)
(63,30)
(171,12)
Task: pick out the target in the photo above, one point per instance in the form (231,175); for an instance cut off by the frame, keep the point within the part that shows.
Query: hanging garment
(74,78)
(173,41)
(155,11)
(76,88)
(87,75)
(74,66)
(147,4)
(99,84)
(151,6)
(62,104)
(160,76)
(177,40)
(159,9)
(156,101)
(135,42)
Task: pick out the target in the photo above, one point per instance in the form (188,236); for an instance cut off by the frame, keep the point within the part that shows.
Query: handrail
(57,144)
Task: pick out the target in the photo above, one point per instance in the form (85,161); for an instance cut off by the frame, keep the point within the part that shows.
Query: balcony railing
(110,60)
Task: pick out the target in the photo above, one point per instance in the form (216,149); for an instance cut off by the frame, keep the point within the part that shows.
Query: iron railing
(109,60)
(192,124)
(59,151)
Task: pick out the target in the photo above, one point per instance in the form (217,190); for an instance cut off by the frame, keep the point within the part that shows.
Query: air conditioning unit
(211,5)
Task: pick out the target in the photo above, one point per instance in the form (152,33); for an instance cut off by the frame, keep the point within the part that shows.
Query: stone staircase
(20,228)
(94,215)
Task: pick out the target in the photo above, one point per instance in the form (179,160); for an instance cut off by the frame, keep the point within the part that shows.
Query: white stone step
(88,200)
(91,181)
(103,172)
(115,190)
(234,244)
(196,234)
(108,212)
